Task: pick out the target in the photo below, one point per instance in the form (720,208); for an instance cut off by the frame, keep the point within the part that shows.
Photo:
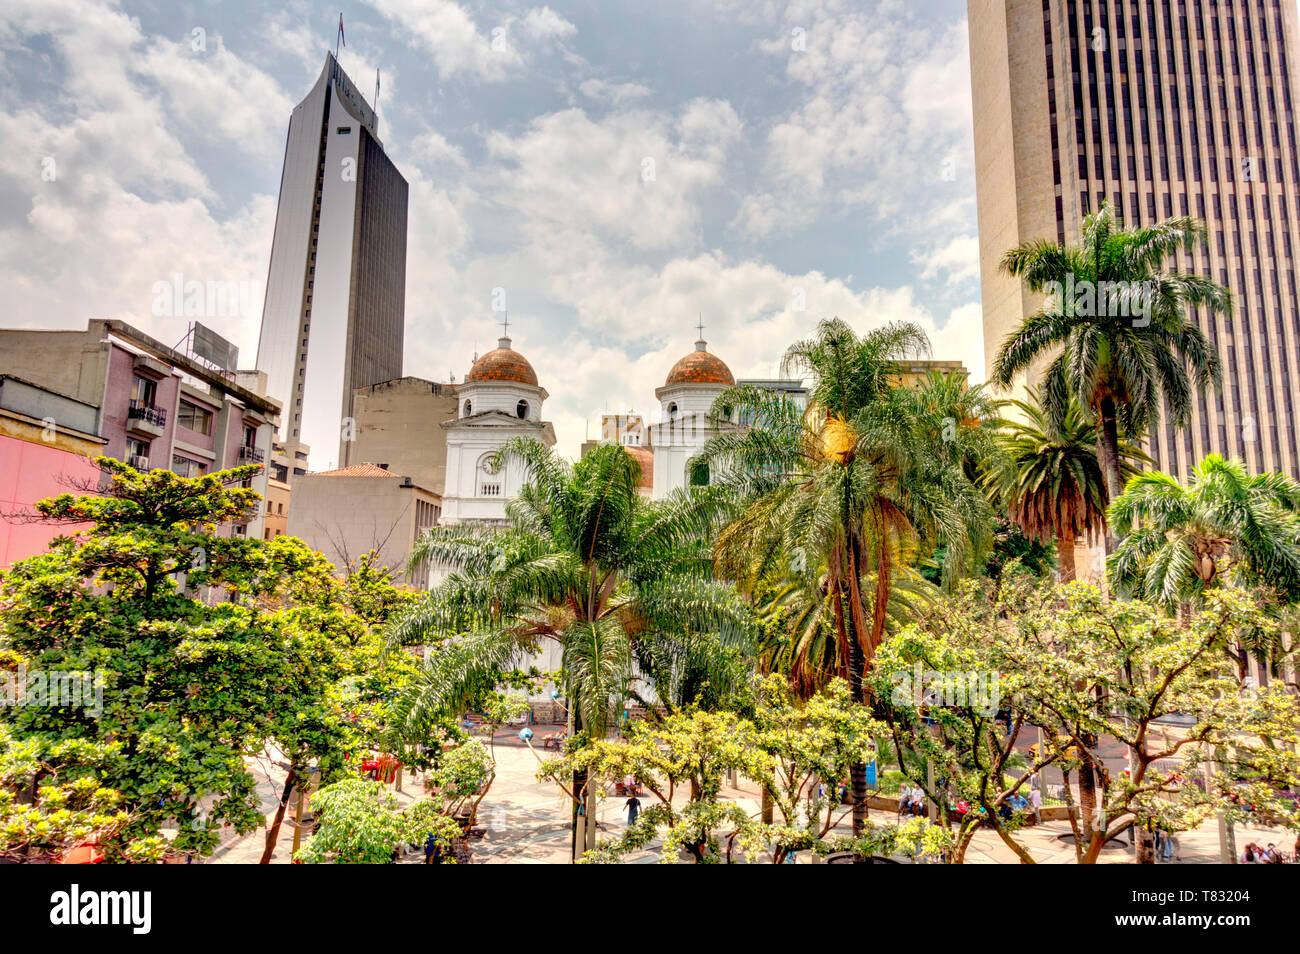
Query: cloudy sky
(618,168)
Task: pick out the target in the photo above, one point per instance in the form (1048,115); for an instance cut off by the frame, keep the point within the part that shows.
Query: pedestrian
(1035,804)
(633,806)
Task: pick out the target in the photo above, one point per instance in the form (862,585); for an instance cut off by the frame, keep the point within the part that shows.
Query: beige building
(346,512)
(398,423)
(1182,107)
(276,507)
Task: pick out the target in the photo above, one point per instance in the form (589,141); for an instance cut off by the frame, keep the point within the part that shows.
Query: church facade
(685,405)
(501,398)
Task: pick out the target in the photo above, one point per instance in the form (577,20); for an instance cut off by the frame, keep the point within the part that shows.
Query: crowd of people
(1268,855)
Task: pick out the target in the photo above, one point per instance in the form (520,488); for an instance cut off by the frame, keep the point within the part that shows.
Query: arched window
(468,409)
(672,411)
(521,410)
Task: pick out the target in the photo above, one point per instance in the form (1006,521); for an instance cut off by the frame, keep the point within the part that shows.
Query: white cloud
(459,45)
(878,127)
(616,93)
(629,179)
(127,205)
(215,94)
(431,146)
(958,260)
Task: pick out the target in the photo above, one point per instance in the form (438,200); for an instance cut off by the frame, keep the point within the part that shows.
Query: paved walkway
(526,822)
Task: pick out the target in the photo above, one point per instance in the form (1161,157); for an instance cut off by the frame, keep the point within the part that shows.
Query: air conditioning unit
(139,462)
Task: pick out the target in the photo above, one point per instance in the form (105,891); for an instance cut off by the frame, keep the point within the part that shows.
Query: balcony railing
(140,411)
(252,455)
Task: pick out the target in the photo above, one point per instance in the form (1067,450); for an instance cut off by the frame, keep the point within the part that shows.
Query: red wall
(30,472)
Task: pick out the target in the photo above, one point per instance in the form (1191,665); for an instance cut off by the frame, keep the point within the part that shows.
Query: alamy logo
(73,688)
(1089,299)
(942,688)
(134,908)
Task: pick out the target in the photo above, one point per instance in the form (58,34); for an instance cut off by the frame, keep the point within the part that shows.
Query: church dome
(503,363)
(700,367)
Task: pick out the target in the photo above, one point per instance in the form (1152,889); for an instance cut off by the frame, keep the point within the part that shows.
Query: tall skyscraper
(336,288)
(1181,107)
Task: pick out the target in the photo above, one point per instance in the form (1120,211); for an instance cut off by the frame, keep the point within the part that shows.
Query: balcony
(145,419)
(251,455)
(139,462)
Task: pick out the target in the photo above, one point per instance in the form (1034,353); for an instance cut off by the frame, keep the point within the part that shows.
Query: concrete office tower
(336,289)
(1182,107)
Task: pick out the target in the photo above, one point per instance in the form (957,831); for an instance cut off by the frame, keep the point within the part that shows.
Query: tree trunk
(1144,845)
(1108,449)
(579,827)
(1087,800)
(273,833)
(767,812)
(1065,548)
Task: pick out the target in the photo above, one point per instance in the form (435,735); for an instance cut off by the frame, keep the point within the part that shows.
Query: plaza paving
(526,822)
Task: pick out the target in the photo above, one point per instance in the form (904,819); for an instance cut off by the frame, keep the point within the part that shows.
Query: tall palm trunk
(853,621)
(1065,548)
(580,777)
(1108,451)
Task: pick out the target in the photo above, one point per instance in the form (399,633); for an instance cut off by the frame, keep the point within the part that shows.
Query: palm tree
(1226,525)
(623,585)
(962,419)
(851,485)
(1124,342)
(1050,479)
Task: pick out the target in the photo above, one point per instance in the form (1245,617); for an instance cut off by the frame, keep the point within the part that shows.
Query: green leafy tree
(186,690)
(1122,668)
(52,800)
(943,685)
(810,747)
(1115,328)
(688,749)
(587,564)
(359,822)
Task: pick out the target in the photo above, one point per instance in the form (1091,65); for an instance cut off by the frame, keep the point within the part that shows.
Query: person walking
(633,806)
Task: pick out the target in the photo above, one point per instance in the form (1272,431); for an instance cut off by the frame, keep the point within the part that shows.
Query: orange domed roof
(700,367)
(503,363)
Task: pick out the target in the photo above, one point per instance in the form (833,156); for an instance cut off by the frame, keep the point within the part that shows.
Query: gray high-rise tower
(336,287)
(1177,107)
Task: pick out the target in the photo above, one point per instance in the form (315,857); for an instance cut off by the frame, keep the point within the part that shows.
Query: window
(521,410)
(184,467)
(144,391)
(469,409)
(344,130)
(137,453)
(197,419)
(672,411)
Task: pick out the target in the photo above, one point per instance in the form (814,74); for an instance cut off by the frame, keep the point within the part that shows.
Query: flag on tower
(343,39)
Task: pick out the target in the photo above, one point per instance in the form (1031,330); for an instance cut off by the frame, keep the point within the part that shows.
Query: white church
(501,398)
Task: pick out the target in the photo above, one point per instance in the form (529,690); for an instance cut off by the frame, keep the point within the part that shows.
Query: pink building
(115,391)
